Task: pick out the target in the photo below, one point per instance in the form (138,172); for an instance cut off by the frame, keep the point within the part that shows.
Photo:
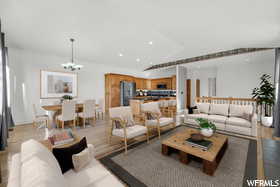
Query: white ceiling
(104,28)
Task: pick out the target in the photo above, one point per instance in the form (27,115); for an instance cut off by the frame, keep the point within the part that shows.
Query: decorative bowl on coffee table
(196,137)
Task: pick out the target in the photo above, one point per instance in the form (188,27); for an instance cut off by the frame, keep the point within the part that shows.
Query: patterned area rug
(144,165)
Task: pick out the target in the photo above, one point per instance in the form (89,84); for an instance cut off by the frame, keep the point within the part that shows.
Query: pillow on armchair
(151,116)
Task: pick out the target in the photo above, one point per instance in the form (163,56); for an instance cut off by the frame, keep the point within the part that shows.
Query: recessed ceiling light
(120,54)
(151,42)
(151,63)
(137,59)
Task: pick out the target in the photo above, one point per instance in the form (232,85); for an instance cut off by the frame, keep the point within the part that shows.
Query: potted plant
(265,97)
(66,97)
(207,128)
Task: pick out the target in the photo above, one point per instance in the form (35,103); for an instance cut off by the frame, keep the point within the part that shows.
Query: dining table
(57,108)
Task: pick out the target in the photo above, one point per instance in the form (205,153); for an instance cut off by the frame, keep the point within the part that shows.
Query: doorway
(197,88)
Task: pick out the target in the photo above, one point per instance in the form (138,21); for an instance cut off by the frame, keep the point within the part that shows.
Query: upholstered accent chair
(124,126)
(68,113)
(153,117)
(89,107)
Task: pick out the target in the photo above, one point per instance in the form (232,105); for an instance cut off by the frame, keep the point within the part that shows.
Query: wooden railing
(226,100)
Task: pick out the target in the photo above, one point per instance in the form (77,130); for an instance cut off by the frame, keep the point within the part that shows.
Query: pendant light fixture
(71,65)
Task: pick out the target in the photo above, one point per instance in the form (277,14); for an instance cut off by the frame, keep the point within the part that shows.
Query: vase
(207,132)
(267,121)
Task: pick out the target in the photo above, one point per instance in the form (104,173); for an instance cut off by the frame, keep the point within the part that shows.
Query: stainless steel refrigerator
(128,91)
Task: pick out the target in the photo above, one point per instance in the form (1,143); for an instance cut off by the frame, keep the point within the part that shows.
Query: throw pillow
(247,116)
(219,109)
(81,159)
(203,107)
(117,124)
(64,155)
(150,116)
(195,111)
(191,109)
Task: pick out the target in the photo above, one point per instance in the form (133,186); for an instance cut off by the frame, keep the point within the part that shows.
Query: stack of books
(203,144)
(61,138)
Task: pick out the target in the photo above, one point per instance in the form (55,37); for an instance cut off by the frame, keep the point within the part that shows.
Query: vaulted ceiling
(152,31)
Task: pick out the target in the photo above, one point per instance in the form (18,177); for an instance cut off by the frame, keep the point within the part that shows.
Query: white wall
(202,74)
(236,76)
(237,79)
(25,79)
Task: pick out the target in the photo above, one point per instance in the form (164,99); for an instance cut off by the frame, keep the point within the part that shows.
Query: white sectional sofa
(36,166)
(235,118)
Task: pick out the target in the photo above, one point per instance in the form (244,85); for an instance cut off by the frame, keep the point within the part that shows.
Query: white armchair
(123,125)
(153,117)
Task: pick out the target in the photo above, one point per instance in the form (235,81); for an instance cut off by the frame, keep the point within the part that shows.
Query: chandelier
(71,65)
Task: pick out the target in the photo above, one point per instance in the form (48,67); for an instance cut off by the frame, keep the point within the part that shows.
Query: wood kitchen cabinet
(139,83)
(112,86)
(173,78)
(167,81)
(112,89)
(148,84)
(142,84)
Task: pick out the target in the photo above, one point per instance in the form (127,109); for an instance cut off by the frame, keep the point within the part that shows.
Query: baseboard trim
(23,123)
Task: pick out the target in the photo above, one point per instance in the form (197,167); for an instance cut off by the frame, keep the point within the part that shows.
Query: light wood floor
(99,140)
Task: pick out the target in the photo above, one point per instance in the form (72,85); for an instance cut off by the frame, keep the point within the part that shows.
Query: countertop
(153,97)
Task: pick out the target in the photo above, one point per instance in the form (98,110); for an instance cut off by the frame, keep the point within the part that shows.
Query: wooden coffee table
(210,158)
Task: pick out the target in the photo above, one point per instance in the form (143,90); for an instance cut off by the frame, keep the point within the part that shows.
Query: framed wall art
(55,84)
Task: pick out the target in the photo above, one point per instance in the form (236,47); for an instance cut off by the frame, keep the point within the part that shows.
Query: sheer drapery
(6,120)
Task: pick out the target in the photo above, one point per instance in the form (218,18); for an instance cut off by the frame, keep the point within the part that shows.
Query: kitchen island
(146,99)
(135,103)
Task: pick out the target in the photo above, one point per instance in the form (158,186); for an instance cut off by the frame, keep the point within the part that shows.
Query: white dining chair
(100,109)
(39,118)
(68,113)
(89,107)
